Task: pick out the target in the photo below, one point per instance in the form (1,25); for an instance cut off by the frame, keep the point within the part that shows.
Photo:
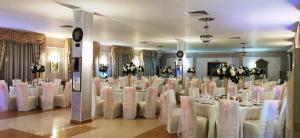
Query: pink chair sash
(188,123)
(108,102)
(258,90)
(151,102)
(3,97)
(97,85)
(278,91)
(212,87)
(129,103)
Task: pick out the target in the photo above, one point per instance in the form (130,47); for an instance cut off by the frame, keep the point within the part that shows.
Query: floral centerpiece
(225,71)
(36,69)
(243,72)
(103,68)
(256,72)
(129,69)
(191,71)
(140,72)
(167,70)
(140,69)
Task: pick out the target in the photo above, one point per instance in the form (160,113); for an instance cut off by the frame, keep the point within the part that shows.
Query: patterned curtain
(120,55)
(18,60)
(149,60)
(96,50)
(2,52)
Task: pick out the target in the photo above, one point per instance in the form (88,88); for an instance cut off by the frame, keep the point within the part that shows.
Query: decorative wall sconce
(54,62)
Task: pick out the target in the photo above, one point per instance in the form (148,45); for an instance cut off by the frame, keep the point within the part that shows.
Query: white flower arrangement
(140,69)
(228,72)
(256,71)
(166,70)
(102,68)
(37,68)
(191,70)
(129,68)
(243,71)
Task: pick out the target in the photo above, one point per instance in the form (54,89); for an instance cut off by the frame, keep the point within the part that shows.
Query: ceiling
(263,24)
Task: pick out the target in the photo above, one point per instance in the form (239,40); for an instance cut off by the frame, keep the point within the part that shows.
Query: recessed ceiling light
(196,13)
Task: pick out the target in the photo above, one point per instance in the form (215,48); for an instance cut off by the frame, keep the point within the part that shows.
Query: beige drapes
(120,55)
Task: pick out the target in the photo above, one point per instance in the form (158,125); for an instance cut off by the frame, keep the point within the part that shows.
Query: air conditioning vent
(196,13)
(66,26)
(289,61)
(235,37)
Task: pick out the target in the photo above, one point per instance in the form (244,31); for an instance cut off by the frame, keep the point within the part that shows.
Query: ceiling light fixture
(243,52)
(206,38)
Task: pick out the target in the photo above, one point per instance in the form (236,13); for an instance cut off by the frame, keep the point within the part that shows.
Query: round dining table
(210,111)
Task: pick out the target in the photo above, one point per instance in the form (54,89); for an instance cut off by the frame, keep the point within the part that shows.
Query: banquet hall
(149,69)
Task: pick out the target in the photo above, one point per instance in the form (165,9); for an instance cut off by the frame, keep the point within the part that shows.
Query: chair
(47,99)
(15,82)
(97,85)
(191,125)
(57,81)
(173,113)
(64,99)
(148,109)
(194,93)
(264,127)
(7,102)
(228,119)
(279,126)
(111,109)
(97,102)
(129,103)
(24,101)
(163,108)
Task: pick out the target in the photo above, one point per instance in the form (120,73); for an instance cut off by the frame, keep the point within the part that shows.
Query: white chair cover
(164,108)
(194,93)
(57,81)
(97,103)
(7,102)
(64,100)
(47,99)
(97,86)
(24,101)
(173,113)
(129,103)
(263,128)
(148,109)
(188,124)
(111,109)
(228,119)
(279,128)
(15,82)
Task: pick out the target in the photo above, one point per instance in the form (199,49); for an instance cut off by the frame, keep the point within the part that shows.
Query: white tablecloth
(36,90)
(140,95)
(211,112)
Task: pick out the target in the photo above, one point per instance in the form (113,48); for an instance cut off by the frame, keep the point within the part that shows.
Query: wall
(277,61)
(55,49)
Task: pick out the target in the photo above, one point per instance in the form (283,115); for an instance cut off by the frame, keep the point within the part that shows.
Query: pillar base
(76,122)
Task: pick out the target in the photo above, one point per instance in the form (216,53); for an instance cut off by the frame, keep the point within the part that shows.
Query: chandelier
(206,37)
(243,52)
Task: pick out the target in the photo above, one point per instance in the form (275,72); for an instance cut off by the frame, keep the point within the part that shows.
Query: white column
(81,100)
(182,47)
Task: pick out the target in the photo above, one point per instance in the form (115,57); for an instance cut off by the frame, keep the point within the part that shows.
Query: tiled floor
(37,124)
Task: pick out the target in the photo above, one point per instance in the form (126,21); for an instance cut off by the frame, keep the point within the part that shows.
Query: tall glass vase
(226,86)
(129,79)
(37,76)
